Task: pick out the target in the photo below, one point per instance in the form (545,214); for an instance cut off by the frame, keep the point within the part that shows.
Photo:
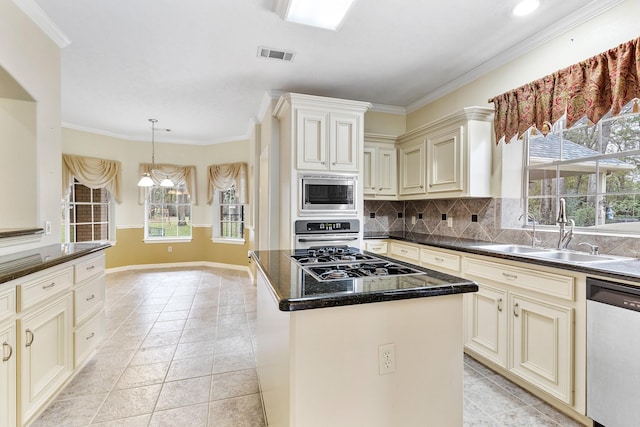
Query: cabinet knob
(499,304)
(5,345)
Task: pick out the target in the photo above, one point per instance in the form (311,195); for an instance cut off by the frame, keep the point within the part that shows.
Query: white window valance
(178,174)
(91,172)
(224,176)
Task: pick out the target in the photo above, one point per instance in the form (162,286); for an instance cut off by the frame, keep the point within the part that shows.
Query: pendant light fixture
(146,180)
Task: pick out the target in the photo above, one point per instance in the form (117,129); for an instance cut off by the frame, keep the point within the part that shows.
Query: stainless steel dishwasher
(613,353)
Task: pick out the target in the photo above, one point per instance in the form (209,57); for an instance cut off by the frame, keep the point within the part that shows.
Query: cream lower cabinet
(487,323)
(46,361)
(8,374)
(376,246)
(518,321)
(88,307)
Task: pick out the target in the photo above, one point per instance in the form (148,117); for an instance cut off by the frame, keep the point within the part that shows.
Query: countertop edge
(466,246)
(16,274)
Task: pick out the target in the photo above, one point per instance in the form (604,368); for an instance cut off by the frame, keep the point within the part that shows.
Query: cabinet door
(311,140)
(487,323)
(412,173)
(445,161)
(543,345)
(369,170)
(46,358)
(344,143)
(8,375)
(387,172)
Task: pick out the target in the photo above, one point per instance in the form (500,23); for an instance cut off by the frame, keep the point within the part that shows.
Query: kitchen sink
(552,254)
(576,256)
(514,249)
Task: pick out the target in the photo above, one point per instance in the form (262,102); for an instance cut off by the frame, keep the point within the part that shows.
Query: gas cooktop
(342,262)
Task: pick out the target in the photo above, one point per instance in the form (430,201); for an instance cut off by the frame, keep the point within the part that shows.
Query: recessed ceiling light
(326,14)
(525,7)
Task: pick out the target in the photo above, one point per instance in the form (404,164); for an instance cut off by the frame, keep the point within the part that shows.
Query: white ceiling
(193,64)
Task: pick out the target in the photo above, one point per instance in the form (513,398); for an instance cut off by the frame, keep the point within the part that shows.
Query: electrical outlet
(47,227)
(386,359)
(413,220)
(169,249)
(449,222)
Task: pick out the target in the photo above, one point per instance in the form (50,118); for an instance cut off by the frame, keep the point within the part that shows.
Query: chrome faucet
(565,237)
(594,249)
(532,218)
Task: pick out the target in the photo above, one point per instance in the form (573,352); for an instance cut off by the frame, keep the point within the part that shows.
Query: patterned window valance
(222,177)
(591,88)
(178,174)
(91,172)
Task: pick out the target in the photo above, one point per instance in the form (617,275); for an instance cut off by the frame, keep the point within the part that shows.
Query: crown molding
(581,16)
(391,109)
(42,20)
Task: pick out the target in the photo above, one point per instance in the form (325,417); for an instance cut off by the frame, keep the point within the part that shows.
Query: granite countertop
(294,289)
(19,264)
(16,232)
(623,269)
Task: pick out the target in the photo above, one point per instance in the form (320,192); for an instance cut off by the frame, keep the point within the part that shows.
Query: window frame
(147,207)
(600,195)
(216,232)
(67,224)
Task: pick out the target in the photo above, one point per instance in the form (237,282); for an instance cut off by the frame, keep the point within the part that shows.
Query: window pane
(582,140)
(621,210)
(544,209)
(572,182)
(169,212)
(84,233)
(621,134)
(542,182)
(582,210)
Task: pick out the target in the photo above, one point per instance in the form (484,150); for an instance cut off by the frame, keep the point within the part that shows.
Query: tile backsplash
(490,219)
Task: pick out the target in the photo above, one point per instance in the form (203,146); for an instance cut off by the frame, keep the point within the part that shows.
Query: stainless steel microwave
(328,194)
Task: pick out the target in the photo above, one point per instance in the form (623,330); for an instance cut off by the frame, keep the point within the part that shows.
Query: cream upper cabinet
(8,356)
(380,168)
(412,167)
(328,141)
(328,136)
(450,157)
(444,161)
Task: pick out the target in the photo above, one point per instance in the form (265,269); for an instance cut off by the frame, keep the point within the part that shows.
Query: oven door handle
(326,239)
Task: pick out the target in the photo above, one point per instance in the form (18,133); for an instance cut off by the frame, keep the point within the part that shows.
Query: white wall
(33,60)
(130,154)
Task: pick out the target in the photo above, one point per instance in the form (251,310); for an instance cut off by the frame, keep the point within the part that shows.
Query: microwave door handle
(327,239)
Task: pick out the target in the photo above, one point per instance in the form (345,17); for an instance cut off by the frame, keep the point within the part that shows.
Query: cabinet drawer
(376,247)
(431,258)
(540,281)
(87,299)
(87,337)
(91,267)
(31,293)
(7,302)
(405,251)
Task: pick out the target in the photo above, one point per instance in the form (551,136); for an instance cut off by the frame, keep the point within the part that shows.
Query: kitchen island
(322,347)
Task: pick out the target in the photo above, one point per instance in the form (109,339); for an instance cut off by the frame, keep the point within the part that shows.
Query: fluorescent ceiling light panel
(526,7)
(317,13)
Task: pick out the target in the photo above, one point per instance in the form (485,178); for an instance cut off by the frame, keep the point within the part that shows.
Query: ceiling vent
(282,55)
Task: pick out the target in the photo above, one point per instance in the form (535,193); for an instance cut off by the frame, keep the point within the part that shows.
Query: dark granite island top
(19,264)
(295,289)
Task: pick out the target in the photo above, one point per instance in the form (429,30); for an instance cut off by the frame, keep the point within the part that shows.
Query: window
(228,216)
(86,215)
(594,167)
(168,213)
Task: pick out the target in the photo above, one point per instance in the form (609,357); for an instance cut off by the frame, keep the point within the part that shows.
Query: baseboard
(246,269)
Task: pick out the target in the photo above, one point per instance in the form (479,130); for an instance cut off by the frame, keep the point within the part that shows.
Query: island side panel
(272,355)
(334,367)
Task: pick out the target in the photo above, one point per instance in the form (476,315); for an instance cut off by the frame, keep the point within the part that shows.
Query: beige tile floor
(179,351)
